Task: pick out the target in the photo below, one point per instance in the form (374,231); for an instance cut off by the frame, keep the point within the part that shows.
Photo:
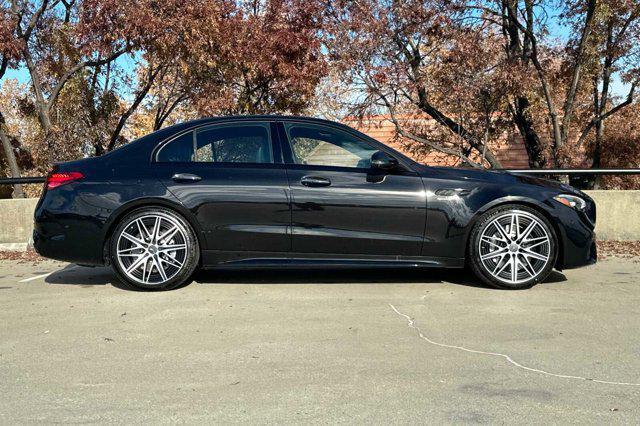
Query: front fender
(450,219)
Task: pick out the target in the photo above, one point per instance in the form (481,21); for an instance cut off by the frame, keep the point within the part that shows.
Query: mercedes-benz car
(278,192)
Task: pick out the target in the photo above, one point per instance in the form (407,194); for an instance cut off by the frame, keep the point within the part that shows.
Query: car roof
(266,117)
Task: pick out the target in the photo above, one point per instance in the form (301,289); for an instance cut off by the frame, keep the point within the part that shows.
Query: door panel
(228,179)
(355,215)
(240,209)
(340,204)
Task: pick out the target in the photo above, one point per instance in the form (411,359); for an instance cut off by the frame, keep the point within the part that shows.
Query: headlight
(571,201)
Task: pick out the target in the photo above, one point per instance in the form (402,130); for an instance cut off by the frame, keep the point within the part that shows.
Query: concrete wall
(16,223)
(618,218)
(618,214)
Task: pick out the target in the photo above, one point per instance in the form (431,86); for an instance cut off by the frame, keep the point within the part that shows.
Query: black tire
(189,258)
(481,270)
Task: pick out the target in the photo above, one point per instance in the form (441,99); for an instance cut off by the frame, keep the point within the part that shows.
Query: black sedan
(270,191)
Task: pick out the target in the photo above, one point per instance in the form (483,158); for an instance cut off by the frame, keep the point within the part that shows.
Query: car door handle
(315,181)
(186,177)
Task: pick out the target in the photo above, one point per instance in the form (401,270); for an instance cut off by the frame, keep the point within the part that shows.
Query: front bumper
(578,239)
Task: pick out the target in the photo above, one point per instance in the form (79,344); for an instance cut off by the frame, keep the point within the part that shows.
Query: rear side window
(248,143)
(178,150)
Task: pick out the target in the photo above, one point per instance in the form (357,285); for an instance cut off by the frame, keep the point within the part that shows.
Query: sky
(127,62)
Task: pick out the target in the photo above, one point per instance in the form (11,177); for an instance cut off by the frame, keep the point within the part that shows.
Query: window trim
(274,145)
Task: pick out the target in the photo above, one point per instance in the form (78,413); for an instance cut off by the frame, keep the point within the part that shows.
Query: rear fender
(125,209)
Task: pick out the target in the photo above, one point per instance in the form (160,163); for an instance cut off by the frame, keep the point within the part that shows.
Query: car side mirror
(380,160)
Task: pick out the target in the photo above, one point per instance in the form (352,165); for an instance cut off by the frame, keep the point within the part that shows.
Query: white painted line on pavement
(26,280)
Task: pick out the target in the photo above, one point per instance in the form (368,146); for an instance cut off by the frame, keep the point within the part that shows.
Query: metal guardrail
(578,178)
(22,180)
(575,172)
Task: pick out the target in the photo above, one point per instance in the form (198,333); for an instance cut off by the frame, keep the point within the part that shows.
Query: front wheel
(154,248)
(512,247)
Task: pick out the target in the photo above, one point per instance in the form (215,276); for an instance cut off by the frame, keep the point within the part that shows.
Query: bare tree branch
(80,65)
(577,69)
(401,131)
(612,111)
(140,95)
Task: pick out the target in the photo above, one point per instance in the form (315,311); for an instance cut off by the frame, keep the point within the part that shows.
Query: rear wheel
(154,248)
(512,247)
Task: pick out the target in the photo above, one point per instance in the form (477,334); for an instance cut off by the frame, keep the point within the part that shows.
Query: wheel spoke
(169,234)
(128,251)
(129,254)
(534,255)
(514,268)
(161,270)
(502,232)
(491,240)
(539,243)
(513,230)
(170,261)
(498,269)
(526,265)
(143,230)
(137,263)
(171,247)
(144,271)
(156,229)
(134,240)
(533,240)
(528,230)
(493,254)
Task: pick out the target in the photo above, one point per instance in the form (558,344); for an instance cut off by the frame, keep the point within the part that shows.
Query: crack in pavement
(411,323)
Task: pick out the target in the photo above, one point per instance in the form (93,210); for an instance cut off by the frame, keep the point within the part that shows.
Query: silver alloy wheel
(515,247)
(152,249)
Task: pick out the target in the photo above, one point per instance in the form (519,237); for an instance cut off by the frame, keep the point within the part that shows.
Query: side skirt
(212,259)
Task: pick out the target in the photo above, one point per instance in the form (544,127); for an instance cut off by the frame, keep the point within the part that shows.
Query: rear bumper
(49,242)
(67,228)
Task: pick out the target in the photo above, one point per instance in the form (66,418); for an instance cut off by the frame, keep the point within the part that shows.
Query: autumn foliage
(96,74)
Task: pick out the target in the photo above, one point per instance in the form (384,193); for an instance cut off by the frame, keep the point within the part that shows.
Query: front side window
(321,146)
(248,143)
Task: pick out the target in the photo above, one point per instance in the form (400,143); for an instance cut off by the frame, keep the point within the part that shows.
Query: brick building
(510,149)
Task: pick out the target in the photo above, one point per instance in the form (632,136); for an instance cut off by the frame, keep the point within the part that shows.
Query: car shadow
(90,277)
(86,277)
(335,276)
(350,276)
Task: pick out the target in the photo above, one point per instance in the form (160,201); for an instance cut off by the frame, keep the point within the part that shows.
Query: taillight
(55,180)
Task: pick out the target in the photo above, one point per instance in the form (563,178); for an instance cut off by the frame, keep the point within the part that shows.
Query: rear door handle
(186,177)
(315,181)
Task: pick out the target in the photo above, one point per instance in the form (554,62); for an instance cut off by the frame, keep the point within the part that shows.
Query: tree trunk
(13,163)
(597,153)
(535,151)
(458,129)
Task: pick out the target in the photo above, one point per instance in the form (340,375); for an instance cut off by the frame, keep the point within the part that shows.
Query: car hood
(500,177)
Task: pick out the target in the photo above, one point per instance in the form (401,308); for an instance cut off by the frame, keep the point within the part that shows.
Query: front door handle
(186,177)
(315,181)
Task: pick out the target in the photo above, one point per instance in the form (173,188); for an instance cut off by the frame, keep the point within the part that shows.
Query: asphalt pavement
(391,346)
